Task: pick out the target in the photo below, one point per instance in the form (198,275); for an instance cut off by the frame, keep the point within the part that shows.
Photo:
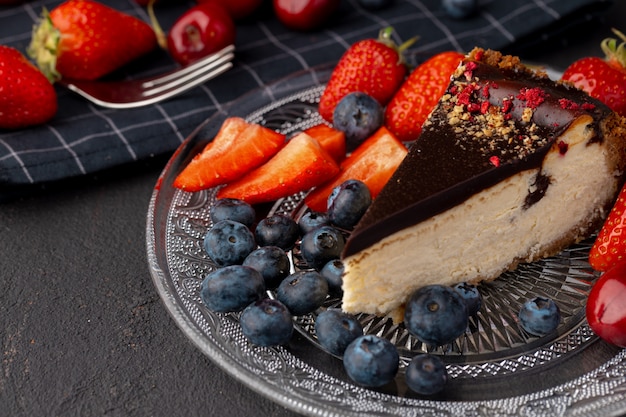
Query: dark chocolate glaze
(444,168)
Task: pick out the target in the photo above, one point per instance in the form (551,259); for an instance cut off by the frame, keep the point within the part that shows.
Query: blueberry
(312,220)
(375,4)
(539,316)
(426,374)
(371,361)
(336,330)
(302,292)
(266,322)
(347,203)
(322,245)
(460,9)
(333,273)
(277,230)
(436,315)
(358,115)
(232,288)
(233,209)
(229,242)
(471,295)
(272,262)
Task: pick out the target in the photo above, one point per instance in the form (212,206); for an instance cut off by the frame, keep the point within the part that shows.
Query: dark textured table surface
(84,331)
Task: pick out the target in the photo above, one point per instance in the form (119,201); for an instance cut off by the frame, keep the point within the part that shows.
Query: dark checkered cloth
(83,138)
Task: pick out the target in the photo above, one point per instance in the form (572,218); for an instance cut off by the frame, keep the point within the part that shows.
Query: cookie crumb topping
(504,125)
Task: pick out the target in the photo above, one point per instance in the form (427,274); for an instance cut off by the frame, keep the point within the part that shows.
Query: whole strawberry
(27,98)
(609,248)
(84,39)
(603,78)
(372,66)
(410,106)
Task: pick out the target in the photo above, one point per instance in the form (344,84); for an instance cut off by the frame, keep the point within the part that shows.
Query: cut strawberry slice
(300,165)
(237,148)
(373,162)
(331,139)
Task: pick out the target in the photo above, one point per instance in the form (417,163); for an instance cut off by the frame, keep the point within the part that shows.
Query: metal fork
(141,92)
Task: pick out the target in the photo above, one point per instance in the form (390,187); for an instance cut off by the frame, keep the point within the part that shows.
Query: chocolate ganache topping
(496,118)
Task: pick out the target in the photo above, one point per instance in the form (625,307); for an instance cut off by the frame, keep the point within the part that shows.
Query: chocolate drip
(541,184)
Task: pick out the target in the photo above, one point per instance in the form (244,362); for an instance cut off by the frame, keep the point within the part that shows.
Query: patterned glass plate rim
(495,369)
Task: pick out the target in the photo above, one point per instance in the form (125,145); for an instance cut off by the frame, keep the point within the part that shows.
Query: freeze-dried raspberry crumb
(469,69)
(507,105)
(532,96)
(567,104)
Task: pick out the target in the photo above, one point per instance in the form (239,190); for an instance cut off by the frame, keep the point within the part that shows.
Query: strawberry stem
(615,51)
(158,31)
(406,44)
(43,46)
(384,37)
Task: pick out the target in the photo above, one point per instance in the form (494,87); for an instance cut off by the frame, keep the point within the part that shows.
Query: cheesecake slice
(510,167)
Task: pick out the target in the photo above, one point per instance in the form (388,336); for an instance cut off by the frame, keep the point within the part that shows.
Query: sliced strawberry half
(373,162)
(298,166)
(331,139)
(238,148)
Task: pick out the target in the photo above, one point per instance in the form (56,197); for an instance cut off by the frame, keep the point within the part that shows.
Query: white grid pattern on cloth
(83,138)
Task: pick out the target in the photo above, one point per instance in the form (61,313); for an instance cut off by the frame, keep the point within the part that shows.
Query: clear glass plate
(496,368)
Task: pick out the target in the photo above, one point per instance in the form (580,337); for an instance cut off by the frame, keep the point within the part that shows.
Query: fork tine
(182,77)
(186,83)
(221,56)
